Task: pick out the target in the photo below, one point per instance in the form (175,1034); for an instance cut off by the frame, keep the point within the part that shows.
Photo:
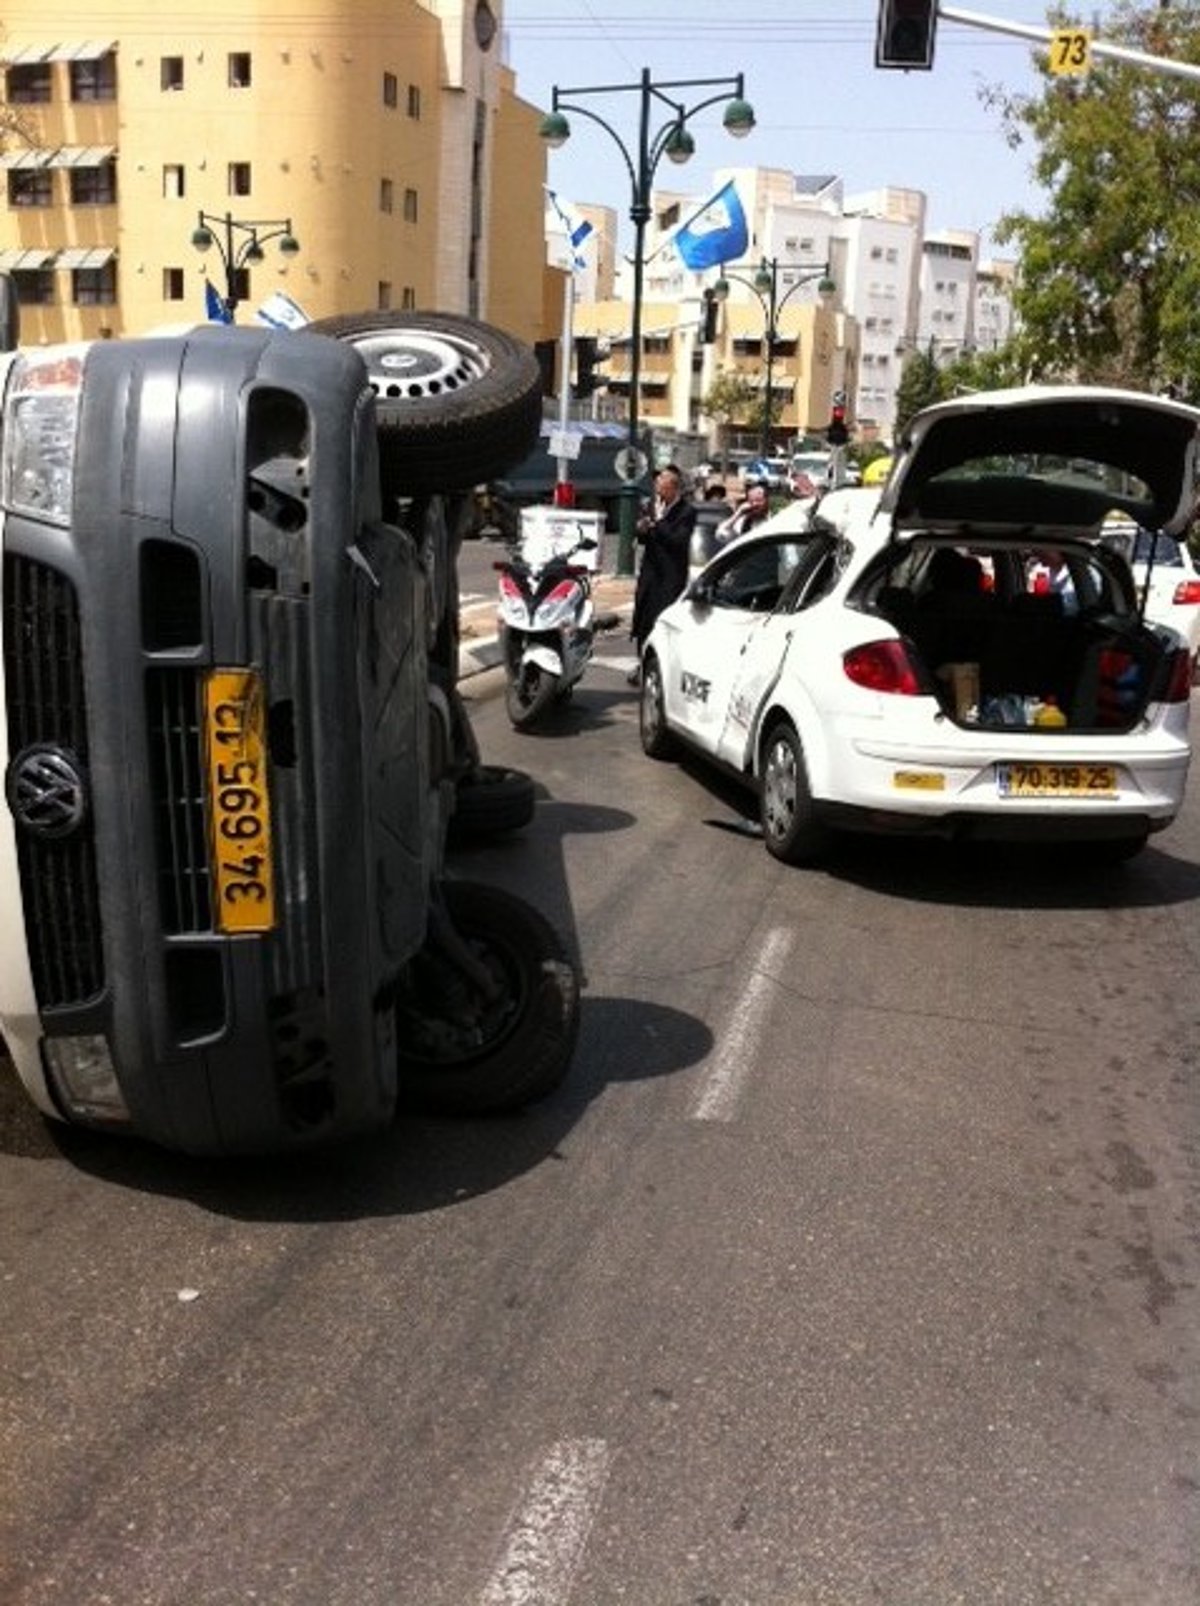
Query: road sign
(1071,51)
(630,463)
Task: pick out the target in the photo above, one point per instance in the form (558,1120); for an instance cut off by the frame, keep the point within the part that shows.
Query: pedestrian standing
(665,535)
(753,510)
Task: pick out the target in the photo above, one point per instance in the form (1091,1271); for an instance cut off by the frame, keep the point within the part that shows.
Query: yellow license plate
(1056,780)
(239,806)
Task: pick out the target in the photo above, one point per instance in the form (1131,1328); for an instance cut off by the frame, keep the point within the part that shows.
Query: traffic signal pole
(1042,35)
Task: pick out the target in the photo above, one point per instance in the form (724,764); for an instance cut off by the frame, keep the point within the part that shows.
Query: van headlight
(41,417)
(84,1078)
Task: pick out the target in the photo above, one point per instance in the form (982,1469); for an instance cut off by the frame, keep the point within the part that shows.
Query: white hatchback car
(895,660)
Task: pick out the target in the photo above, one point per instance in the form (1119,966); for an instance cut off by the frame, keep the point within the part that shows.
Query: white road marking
(545,1540)
(718,1097)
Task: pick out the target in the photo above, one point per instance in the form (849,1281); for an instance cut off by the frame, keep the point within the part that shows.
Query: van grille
(45,702)
(177,792)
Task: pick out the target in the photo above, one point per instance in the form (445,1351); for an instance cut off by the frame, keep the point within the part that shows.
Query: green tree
(1110,271)
(730,399)
(920,386)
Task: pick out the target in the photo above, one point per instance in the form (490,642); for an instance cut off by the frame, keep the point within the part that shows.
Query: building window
(29,83)
(410,206)
(239,69)
(656,345)
(30,187)
(94,80)
(669,216)
(170,72)
(173,181)
(94,186)
(94,287)
(383,298)
(391,89)
(408,299)
(172,284)
(385,194)
(239,178)
(35,287)
(414,101)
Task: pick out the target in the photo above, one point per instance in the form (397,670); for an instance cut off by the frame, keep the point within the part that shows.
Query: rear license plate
(1056,780)
(239,807)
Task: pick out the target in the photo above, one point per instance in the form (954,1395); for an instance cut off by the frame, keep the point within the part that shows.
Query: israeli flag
(563,219)
(279,311)
(716,233)
(215,309)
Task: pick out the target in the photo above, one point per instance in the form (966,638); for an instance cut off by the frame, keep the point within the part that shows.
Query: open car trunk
(997,572)
(996,644)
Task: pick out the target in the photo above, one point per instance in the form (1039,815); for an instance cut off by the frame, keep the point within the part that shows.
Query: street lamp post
(765,286)
(673,140)
(240,242)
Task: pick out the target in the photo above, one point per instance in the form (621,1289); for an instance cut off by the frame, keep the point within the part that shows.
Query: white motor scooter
(546,616)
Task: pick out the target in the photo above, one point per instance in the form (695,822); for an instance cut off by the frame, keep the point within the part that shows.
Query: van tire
(457,401)
(462,1054)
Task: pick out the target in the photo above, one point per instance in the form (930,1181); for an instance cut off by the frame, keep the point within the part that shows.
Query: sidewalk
(479,645)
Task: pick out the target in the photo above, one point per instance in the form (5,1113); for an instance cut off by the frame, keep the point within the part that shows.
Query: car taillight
(1179,678)
(1187,593)
(882,666)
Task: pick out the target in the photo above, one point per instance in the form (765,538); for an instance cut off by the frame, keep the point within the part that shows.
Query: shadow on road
(420,1164)
(1001,875)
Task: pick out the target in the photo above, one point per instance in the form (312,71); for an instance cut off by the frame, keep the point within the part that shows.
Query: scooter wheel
(529,694)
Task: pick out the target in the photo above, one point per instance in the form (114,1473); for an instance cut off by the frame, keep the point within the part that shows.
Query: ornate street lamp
(239,243)
(673,140)
(765,286)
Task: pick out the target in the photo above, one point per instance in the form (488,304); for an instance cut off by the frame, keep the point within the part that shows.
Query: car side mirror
(700,593)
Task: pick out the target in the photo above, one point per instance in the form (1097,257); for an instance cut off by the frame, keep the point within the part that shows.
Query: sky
(821,104)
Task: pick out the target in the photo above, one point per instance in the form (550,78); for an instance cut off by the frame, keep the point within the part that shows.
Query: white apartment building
(899,288)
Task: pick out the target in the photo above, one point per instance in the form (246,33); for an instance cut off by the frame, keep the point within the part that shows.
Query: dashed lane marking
(737,1051)
(545,1540)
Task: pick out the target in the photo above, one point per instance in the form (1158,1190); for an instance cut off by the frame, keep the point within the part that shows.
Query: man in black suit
(665,537)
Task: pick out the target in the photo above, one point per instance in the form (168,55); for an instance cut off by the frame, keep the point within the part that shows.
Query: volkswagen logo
(46,791)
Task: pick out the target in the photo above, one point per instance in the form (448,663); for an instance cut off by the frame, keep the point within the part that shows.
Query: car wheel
(790,828)
(456,401)
(657,741)
(498,1038)
(529,693)
(489,800)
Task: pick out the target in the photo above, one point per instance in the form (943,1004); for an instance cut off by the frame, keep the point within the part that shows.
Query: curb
(609,592)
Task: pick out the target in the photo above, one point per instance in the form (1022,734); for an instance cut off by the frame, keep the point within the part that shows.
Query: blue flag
(215,309)
(562,218)
(716,233)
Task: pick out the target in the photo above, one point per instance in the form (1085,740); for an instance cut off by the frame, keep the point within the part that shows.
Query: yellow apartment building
(384,139)
(815,354)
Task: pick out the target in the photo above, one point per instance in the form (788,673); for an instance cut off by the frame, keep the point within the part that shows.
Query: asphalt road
(855,1263)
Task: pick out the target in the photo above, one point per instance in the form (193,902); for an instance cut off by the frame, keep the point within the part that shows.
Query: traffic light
(587,380)
(905,34)
(837,434)
(708,328)
(546,352)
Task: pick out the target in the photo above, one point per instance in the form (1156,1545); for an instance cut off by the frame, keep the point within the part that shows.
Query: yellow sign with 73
(1071,51)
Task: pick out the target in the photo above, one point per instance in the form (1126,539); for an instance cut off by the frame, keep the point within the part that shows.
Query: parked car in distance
(1166,576)
(808,472)
(769,471)
(882,660)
